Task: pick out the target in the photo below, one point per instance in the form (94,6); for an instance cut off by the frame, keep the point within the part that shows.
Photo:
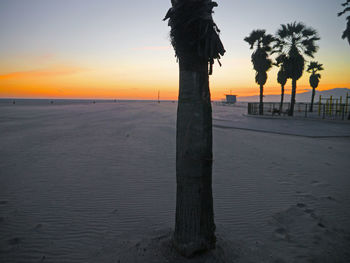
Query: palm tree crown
(260,58)
(295,40)
(346,33)
(281,75)
(193,30)
(313,68)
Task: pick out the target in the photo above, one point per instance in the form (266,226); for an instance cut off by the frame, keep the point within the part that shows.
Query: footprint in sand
(14,241)
(38,226)
(281,233)
(317,183)
(320,224)
(308,211)
(115,211)
(3,202)
(301,205)
(307,195)
(331,198)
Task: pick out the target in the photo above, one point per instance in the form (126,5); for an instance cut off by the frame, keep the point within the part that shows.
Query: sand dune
(96,183)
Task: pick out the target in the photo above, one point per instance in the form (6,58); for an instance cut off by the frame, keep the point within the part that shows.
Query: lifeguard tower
(231,99)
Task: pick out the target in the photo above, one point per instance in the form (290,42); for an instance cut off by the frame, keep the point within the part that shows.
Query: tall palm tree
(314,79)
(195,38)
(260,59)
(295,40)
(281,77)
(346,33)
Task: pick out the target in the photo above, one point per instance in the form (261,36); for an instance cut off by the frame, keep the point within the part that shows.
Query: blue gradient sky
(121,48)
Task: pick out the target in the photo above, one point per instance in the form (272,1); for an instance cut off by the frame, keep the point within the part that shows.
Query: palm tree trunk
(261,103)
(292,102)
(282,98)
(312,99)
(194,223)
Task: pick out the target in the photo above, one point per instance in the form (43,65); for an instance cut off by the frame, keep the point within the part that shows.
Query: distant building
(231,99)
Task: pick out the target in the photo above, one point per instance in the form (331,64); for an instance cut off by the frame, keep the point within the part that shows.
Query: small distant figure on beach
(51,102)
(13,102)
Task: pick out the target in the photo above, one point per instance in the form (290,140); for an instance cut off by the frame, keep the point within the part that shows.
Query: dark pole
(306,110)
(324,111)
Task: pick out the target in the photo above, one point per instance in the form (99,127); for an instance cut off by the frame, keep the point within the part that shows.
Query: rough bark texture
(312,99)
(261,104)
(292,102)
(282,98)
(194,223)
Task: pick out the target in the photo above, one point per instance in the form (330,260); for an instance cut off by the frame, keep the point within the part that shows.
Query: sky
(112,49)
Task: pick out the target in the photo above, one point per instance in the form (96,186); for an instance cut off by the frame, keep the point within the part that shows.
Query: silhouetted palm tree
(346,33)
(281,77)
(195,39)
(295,40)
(260,59)
(313,68)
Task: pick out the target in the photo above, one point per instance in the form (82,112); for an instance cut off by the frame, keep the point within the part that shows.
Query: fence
(333,111)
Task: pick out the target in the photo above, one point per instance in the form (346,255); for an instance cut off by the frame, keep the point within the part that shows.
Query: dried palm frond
(193,31)
(346,33)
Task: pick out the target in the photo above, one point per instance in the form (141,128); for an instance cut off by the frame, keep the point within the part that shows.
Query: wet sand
(96,183)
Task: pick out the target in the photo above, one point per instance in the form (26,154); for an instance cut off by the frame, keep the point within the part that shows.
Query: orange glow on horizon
(39,90)
(73,82)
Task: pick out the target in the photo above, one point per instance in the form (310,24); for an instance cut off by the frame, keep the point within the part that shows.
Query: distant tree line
(291,43)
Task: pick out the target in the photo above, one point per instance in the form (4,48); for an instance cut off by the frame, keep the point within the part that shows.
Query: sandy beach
(96,183)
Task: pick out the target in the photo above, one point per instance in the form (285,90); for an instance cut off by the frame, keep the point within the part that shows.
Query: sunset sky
(120,49)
